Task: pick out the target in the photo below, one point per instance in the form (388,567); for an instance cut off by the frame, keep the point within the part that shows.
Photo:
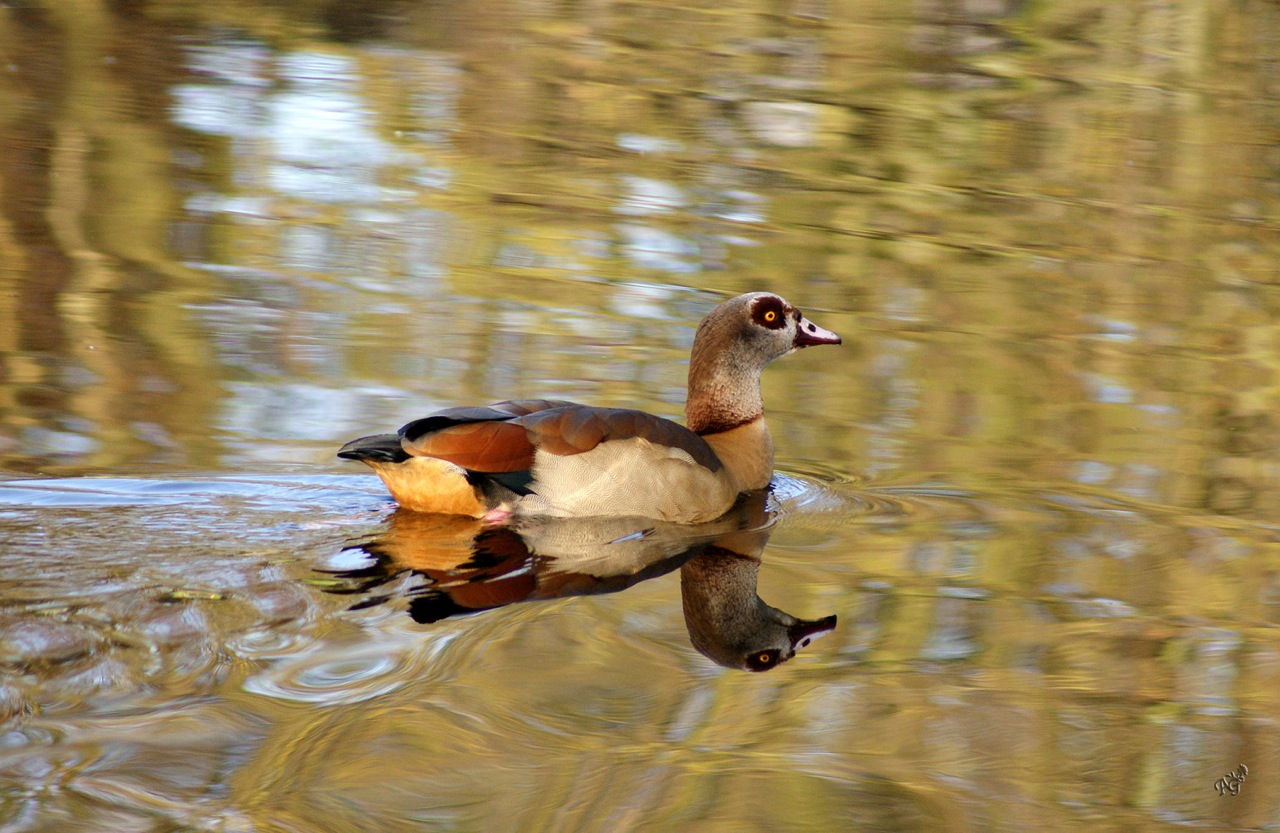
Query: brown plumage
(556,458)
(577,428)
(490,447)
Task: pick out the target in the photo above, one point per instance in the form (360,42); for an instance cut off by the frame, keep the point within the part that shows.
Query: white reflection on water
(654,248)
(321,141)
(332,676)
(645,195)
(304,129)
(309,127)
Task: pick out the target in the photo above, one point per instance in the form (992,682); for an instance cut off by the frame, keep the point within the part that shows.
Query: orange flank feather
(424,484)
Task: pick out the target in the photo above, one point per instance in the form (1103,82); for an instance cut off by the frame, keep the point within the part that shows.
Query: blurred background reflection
(1038,484)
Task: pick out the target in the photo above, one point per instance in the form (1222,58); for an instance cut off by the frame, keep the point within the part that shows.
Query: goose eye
(769,313)
(762,661)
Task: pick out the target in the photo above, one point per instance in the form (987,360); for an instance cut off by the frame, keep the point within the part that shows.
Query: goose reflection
(463,566)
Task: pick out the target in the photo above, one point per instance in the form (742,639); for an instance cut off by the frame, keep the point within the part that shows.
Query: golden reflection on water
(1038,484)
(448,566)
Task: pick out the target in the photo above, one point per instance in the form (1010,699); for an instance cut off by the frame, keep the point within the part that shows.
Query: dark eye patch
(770,312)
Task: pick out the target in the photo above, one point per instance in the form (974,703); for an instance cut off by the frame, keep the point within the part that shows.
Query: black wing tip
(378,448)
(413,431)
(419,428)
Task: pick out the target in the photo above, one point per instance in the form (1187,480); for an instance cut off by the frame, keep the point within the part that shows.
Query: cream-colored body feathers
(747,454)
(649,480)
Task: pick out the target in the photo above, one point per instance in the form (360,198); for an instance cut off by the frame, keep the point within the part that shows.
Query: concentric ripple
(335,676)
(799,495)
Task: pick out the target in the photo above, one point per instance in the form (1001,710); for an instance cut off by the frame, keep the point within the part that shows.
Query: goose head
(732,347)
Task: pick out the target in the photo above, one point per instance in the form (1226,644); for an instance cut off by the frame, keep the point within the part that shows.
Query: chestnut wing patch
(578,428)
(479,439)
(490,446)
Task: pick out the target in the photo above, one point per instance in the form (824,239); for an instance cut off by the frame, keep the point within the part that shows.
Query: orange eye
(764,659)
(771,316)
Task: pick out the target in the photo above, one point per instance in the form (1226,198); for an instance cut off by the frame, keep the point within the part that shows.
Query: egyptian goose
(548,457)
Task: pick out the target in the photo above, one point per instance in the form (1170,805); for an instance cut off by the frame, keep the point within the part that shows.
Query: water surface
(1037,484)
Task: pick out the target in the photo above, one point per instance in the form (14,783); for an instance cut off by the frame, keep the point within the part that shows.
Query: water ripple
(334,677)
(272,491)
(845,503)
